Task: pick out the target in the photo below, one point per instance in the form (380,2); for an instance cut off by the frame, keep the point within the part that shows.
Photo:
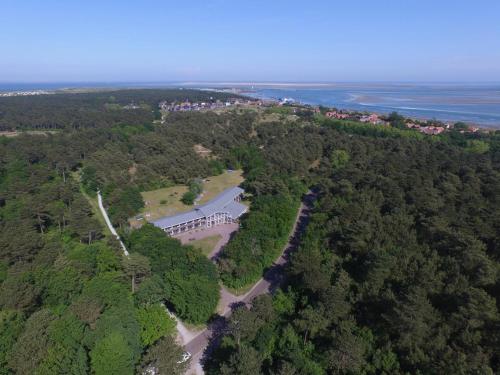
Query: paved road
(268,284)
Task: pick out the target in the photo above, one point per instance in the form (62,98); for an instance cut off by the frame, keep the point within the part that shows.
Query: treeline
(93,109)
(182,275)
(397,272)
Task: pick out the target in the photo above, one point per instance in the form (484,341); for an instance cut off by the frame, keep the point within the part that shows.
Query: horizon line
(246,82)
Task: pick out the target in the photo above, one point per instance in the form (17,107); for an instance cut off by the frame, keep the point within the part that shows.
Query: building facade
(224,208)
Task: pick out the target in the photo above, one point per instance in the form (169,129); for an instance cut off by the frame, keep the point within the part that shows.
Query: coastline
(476,104)
(484,120)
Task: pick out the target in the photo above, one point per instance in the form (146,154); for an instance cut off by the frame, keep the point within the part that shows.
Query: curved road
(273,277)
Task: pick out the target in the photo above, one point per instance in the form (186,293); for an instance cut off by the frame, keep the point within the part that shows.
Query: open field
(167,201)
(207,244)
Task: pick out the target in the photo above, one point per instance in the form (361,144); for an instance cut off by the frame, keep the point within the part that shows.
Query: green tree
(66,354)
(20,292)
(396,120)
(151,291)
(136,266)
(164,356)
(82,225)
(11,326)
(311,321)
(347,353)
(112,356)
(188,197)
(32,345)
(155,323)
(339,159)
(245,361)
(194,297)
(460,126)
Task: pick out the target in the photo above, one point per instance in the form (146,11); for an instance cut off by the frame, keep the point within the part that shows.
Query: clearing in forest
(202,151)
(167,201)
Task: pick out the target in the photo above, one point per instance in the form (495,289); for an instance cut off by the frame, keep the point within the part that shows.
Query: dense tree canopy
(397,272)
(189,279)
(92,109)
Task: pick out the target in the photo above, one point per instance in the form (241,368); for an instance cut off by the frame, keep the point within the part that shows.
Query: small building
(431,130)
(337,115)
(372,119)
(223,209)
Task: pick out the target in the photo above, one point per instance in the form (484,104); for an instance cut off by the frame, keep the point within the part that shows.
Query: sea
(471,103)
(474,103)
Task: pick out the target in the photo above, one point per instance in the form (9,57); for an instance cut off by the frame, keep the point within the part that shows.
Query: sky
(249,41)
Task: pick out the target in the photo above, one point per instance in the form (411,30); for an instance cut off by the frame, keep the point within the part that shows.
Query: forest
(397,272)
(92,109)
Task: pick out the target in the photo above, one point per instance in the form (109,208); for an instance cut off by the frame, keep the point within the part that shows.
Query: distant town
(428,127)
(187,106)
(25,93)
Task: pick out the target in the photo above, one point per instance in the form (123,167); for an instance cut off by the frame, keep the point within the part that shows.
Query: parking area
(224,231)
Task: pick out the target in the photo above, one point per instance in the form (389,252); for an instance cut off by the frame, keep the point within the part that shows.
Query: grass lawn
(207,244)
(167,201)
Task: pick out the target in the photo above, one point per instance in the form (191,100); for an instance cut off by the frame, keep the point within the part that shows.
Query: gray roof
(224,202)
(183,217)
(235,209)
(220,201)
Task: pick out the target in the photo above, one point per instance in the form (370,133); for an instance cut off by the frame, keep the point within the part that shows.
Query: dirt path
(268,284)
(108,223)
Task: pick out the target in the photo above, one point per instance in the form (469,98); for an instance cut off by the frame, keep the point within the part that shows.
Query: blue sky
(273,40)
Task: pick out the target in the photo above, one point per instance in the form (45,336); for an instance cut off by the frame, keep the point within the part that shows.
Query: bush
(188,198)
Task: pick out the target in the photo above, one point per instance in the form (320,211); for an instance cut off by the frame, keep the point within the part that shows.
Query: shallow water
(474,103)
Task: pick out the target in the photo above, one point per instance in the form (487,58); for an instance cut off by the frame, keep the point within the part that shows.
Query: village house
(372,119)
(431,130)
(337,115)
